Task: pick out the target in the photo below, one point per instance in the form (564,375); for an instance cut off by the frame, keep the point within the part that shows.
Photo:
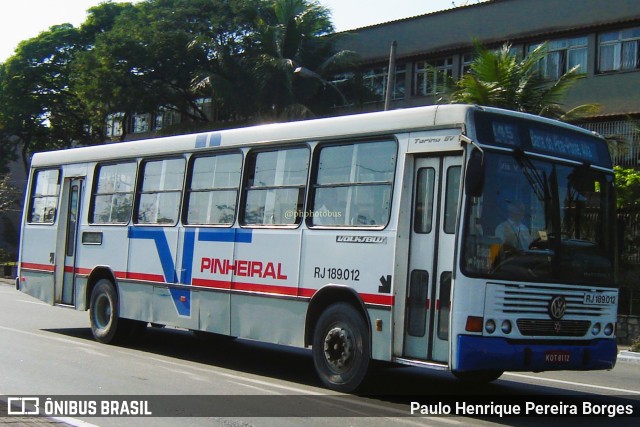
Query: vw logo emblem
(557,307)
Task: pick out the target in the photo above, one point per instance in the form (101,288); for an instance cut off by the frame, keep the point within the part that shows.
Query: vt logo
(182,297)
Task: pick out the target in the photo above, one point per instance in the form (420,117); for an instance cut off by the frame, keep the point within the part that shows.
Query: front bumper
(477,353)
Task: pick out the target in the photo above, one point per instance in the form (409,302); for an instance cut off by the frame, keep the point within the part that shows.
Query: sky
(24,19)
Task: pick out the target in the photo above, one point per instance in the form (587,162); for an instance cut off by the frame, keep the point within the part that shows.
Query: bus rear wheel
(103,312)
(341,349)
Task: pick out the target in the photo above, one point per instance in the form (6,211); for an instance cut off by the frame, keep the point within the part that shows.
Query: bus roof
(368,124)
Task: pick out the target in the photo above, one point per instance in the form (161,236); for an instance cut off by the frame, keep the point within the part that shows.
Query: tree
(38,108)
(10,198)
(500,79)
(290,35)
(251,71)
(226,74)
(142,62)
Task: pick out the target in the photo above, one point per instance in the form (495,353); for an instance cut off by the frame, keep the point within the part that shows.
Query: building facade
(600,37)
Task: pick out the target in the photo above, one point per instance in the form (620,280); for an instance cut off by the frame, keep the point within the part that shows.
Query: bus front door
(65,293)
(435,202)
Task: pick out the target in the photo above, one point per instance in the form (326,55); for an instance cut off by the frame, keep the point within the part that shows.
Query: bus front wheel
(341,349)
(103,312)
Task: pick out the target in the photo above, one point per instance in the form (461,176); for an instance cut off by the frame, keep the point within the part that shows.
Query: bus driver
(512,232)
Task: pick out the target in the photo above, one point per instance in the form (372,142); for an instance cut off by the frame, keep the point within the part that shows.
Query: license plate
(599,299)
(557,356)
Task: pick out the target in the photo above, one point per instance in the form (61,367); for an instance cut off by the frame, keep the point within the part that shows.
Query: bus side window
(212,192)
(112,197)
(160,192)
(276,186)
(44,196)
(353,184)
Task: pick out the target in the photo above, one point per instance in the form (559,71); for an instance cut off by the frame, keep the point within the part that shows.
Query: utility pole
(391,76)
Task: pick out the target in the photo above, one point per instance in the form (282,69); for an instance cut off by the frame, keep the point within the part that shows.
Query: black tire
(104,313)
(341,348)
(478,377)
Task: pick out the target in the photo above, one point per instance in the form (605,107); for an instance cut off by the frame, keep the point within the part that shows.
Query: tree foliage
(627,182)
(59,87)
(499,78)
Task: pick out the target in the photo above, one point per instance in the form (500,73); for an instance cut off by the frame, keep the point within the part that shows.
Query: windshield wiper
(537,180)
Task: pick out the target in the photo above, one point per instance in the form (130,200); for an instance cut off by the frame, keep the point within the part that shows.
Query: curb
(628,357)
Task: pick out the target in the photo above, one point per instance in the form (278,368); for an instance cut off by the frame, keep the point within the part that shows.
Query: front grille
(532,300)
(558,328)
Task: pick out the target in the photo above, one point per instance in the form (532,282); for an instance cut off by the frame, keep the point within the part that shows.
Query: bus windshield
(540,220)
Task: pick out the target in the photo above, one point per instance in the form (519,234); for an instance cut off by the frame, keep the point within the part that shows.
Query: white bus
(452,237)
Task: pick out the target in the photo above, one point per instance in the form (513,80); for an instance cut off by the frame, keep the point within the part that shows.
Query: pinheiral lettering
(243,268)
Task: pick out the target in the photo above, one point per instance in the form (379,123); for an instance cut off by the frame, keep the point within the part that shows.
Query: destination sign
(541,137)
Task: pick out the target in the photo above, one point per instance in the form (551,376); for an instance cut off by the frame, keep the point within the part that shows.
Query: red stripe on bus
(307,293)
(267,289)
(220,284)
(282,290)
(34,266)
(83,271)
(208,283)
(144,276)
(377,299)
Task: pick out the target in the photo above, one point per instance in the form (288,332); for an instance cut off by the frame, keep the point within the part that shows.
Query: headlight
(490,326)
(506,327)
(595,330)
(608,330)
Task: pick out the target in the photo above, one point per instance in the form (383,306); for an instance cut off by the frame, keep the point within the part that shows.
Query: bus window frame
(184,214)
(140,181)
(249,160)
(94,189)
(32,196)
(313,182)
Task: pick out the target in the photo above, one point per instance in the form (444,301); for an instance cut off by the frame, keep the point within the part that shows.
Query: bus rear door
(435,201)
(65,294)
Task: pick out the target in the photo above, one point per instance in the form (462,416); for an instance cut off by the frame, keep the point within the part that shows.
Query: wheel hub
(103,312)
(338,348)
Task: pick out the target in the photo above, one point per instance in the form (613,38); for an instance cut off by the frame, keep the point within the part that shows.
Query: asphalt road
(49,352)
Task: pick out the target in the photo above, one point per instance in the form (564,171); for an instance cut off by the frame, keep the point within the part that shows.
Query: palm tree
(500,79)
(291,35)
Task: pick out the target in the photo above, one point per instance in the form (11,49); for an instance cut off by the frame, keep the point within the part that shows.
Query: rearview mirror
(474,176)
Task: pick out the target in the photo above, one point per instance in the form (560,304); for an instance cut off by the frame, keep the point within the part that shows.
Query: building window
(376,81)
(276,184)
(112,198)
(562,56)
(353,184)
(160,192)
(203,107)
(165,117)
(465,63)
(141,123)
(619,50)
(431,77)
(114,128)
(213,190)
(44,196)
